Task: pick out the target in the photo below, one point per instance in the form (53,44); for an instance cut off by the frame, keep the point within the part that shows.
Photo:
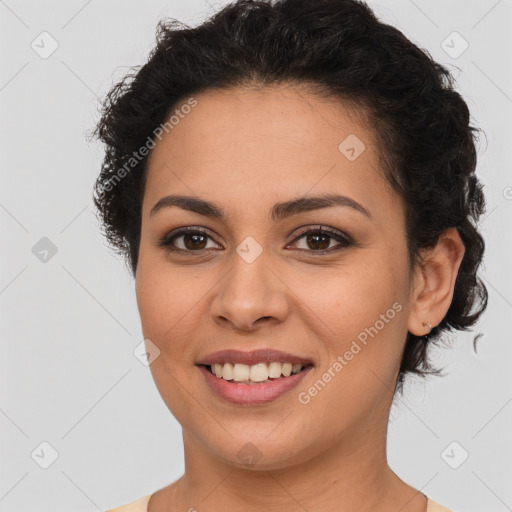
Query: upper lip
(264,355)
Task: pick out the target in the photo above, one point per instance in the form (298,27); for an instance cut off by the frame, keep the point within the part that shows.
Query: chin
(259,453)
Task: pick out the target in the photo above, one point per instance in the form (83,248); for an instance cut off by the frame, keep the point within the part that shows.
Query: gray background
(70,324)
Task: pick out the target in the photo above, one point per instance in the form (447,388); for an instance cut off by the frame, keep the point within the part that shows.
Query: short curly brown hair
(337,47)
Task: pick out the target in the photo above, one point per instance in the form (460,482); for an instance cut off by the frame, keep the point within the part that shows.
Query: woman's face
(256,281)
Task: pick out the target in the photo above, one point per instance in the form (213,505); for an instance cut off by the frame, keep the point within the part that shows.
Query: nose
(250,295)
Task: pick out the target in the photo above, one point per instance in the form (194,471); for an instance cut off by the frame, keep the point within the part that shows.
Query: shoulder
(432,506)
(140,505)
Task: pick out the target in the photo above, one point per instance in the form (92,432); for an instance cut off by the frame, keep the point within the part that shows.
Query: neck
(353,475)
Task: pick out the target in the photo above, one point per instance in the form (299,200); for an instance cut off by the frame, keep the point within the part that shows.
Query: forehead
(248,146)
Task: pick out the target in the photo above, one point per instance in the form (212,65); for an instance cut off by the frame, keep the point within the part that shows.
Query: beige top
(141,505)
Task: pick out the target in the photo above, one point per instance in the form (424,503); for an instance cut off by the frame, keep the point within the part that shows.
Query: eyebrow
(278,212)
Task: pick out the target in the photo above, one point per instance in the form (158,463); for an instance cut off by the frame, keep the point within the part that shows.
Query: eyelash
(167,240)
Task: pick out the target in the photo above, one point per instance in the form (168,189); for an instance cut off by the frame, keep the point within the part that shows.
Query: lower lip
(252,394)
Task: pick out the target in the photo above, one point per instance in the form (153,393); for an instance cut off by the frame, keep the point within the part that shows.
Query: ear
(434,283)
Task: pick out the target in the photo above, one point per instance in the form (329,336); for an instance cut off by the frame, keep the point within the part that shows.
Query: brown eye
(192,240)
(318,240)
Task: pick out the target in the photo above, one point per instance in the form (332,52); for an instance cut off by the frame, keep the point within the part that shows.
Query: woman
(293,186)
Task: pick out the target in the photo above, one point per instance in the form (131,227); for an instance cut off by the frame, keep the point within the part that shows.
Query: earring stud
(429,328)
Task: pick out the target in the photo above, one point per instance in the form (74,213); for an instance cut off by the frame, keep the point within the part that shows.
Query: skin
(246,149)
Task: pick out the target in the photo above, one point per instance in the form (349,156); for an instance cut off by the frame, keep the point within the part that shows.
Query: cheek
(364,307)
(353,297)
(166,302)
(364,310)
(164,297)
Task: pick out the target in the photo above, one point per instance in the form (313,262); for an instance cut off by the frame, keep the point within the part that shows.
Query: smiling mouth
(254,374)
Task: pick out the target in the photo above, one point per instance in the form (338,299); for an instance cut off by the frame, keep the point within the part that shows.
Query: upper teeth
(256,372)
